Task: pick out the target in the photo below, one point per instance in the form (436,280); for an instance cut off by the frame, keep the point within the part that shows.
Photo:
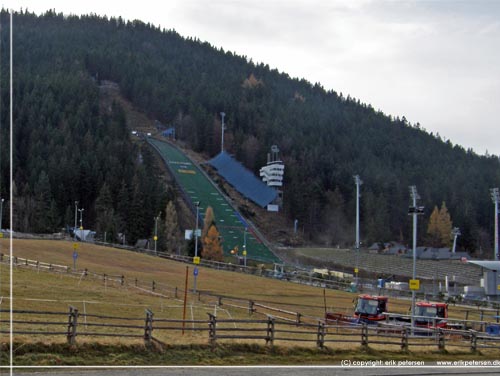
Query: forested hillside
(66,146)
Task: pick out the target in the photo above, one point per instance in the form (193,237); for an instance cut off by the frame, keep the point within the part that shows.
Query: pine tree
(43,199)
(106,221)
(212,249)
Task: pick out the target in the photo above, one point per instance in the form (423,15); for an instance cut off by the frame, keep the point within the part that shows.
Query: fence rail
(269,331)
(167,291)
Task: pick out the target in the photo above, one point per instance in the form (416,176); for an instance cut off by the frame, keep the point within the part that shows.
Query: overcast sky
(434,62)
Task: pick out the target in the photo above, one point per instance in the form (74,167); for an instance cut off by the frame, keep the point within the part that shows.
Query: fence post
(136,282)
(122,282)
(251,309)
(364,335)
(72,324)
(441,343)
(473,340)
(1,256)
(404,339)
(153,286)
(176,296)
(299,315)
(148,327)
(212,329)
(270,330)
(320,342)
(220,301)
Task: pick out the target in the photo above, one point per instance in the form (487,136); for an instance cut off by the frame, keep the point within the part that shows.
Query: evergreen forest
(68,147)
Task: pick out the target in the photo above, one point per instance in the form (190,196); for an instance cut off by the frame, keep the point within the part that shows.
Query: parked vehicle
(368,309)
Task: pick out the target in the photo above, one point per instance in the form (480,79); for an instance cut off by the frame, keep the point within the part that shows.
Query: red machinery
(368,309)
(431,315)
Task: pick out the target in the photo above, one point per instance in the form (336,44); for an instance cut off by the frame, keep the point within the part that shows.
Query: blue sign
(75,255)
(195,271)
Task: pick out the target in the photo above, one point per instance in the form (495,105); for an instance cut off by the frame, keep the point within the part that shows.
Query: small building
(169,133)
(490,280)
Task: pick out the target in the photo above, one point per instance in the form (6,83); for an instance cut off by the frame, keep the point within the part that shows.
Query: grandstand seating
(466,274)
(243,180)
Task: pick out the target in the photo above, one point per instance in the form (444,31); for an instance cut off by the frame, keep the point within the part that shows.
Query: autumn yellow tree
(439,227)
(445,225)
(212,249)
(208,221)
(172,232)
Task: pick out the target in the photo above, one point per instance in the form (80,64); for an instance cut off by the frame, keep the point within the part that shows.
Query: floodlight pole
(495,195)
(76,212)
(197,204)
(414,210)
(456,233)
(358,182)
(222,114)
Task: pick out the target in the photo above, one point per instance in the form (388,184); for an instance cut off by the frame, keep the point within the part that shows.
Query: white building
(272,174)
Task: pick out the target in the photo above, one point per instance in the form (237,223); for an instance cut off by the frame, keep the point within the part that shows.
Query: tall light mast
(358,182)
(222,114)
(415,211)
(495,195)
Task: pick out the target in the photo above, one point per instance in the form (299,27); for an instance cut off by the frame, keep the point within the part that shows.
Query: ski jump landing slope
(197,187)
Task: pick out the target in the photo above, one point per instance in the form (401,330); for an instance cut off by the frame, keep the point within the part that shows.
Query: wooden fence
(269,331)
(167,291)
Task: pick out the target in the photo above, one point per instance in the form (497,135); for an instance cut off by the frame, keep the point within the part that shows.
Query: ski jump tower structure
(272,174)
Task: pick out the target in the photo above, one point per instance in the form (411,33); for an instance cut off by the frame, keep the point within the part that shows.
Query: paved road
(268,371)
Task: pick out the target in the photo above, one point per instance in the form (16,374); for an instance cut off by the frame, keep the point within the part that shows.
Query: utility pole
(1,213)
(358,182)
(222,114)
(495,195)
(81,223)
(245,247)
(455,233)
(415,211)
(156,231)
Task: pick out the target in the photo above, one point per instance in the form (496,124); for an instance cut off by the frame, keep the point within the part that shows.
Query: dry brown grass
(56,292)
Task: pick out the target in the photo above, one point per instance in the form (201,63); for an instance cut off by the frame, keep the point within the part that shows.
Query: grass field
(38,290)
(307,300)
(294,297)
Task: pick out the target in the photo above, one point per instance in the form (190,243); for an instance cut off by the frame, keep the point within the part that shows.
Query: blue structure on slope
(243,180)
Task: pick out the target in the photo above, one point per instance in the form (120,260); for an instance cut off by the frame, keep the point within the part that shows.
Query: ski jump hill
(196,186)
